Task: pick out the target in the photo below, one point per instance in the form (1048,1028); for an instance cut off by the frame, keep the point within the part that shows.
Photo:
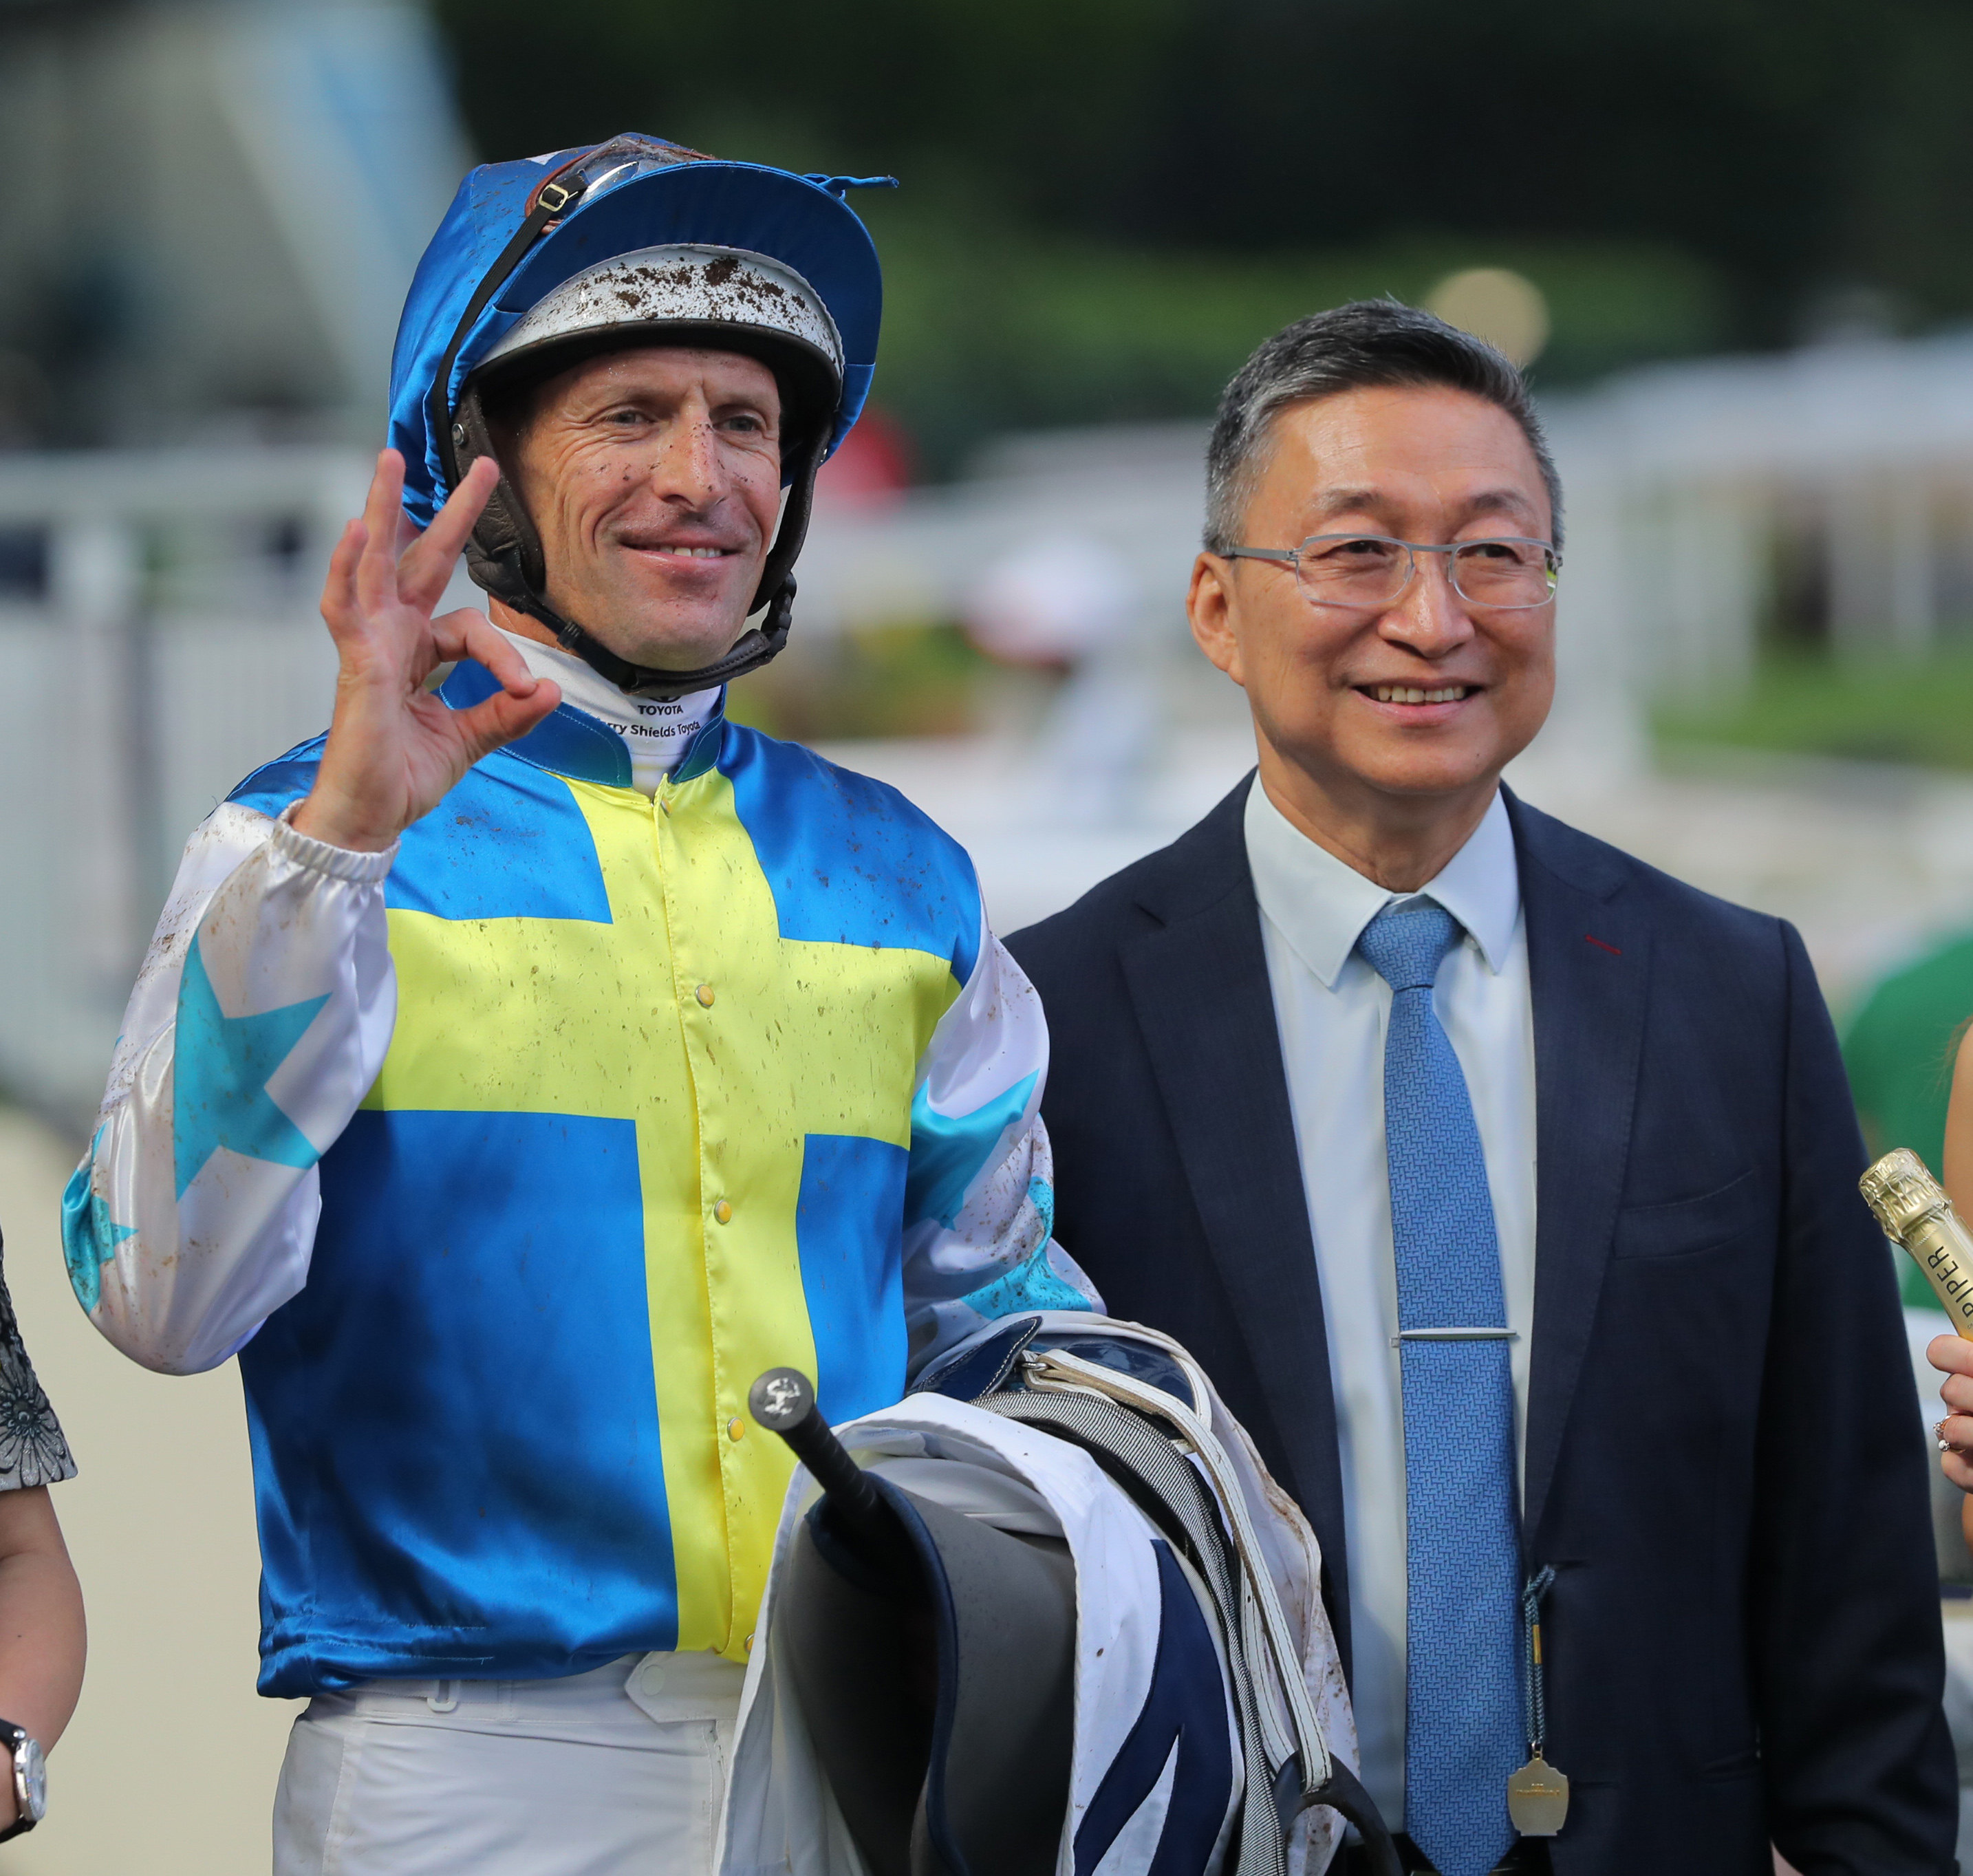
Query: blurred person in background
(1506,1187)
(1899,1048)
(43,1639)
(1952,1354)
(520,1071)
(1953,1357)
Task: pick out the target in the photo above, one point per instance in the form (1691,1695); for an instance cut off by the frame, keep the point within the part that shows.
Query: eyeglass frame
(1292,557)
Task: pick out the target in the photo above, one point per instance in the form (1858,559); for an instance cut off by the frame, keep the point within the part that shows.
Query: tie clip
(1455,1335)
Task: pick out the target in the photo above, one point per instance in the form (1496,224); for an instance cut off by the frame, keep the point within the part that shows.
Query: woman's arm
(1956,1174)
(43,1640)
(1952,1355)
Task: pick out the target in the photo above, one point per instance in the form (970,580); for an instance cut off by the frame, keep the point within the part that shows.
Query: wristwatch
(30,1773)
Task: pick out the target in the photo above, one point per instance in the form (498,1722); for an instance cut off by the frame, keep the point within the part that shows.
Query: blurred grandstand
(166,597)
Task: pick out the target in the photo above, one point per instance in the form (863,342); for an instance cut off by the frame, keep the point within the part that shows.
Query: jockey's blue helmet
(540,262)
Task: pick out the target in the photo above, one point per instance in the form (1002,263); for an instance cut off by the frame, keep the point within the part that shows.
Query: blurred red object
(873,467)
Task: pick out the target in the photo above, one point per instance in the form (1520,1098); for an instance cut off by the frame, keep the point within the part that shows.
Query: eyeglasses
(1371,570)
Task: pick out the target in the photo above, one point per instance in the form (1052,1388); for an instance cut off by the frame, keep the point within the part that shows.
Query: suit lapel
(1199,985)
(1588,969)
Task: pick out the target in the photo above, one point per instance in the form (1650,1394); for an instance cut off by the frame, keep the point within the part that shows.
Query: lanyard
(1534,1683)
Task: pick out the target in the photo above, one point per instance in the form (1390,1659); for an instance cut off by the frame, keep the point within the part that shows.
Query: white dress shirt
(1332,1009)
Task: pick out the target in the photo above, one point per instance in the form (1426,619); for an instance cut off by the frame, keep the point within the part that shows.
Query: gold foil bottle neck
(1916,1214)
(1902,1194)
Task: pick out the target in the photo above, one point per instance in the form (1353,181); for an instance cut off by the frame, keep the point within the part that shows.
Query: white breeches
(619,1771)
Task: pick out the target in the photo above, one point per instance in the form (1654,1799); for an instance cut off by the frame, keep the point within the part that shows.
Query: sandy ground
(169,1769)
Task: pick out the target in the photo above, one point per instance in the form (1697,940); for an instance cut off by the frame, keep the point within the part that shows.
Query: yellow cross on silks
(727,1045)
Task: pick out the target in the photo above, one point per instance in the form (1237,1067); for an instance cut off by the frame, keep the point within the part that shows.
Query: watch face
(33,1781)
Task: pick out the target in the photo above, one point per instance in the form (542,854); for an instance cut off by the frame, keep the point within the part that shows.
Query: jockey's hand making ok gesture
(395,749)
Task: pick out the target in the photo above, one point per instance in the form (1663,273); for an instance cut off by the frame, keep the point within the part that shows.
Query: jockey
(521,1068)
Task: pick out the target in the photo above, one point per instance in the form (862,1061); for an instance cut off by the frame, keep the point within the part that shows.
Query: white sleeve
(980,1194)
(259,1023)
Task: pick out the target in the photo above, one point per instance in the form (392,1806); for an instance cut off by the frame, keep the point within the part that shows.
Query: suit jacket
(1725,1463)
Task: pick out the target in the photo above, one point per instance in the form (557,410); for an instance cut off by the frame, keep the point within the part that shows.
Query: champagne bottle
(1915,1213)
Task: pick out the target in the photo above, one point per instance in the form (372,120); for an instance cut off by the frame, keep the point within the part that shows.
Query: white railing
(174,645)
(1854,461)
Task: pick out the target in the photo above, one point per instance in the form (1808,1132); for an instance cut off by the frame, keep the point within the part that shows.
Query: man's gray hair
(1369,342)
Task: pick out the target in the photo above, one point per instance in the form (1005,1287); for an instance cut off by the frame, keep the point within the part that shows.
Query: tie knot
(1405,944)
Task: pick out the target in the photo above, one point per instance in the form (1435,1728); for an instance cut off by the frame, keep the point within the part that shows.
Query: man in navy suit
(1506,1187)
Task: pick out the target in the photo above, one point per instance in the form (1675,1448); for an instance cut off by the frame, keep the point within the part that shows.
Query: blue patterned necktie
(1462,1710)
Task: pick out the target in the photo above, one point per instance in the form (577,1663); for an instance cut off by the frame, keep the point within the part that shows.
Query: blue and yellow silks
(506,1160)
(643,1130)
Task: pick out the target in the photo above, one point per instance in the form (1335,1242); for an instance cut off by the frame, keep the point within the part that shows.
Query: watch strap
(12,1739)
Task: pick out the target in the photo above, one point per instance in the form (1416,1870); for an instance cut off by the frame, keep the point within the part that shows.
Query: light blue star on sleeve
(89,1236)
(221,1066)
(1033,1285)
(948,1151)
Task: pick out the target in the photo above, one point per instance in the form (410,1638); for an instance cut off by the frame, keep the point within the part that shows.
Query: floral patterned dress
(32,1449)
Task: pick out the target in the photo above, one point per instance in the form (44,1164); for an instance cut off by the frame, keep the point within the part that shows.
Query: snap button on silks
(703,994)
(750,1644)
(735,1427)
(723,1212)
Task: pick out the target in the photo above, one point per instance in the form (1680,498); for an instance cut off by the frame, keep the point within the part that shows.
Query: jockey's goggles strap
(551,202)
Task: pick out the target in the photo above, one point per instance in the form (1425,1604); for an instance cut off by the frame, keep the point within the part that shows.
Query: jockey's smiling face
(653,476)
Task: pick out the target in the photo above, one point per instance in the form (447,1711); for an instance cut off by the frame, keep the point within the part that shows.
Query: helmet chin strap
(753,648)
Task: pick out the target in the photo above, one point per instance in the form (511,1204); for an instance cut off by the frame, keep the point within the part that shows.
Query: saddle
(1047,1614)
